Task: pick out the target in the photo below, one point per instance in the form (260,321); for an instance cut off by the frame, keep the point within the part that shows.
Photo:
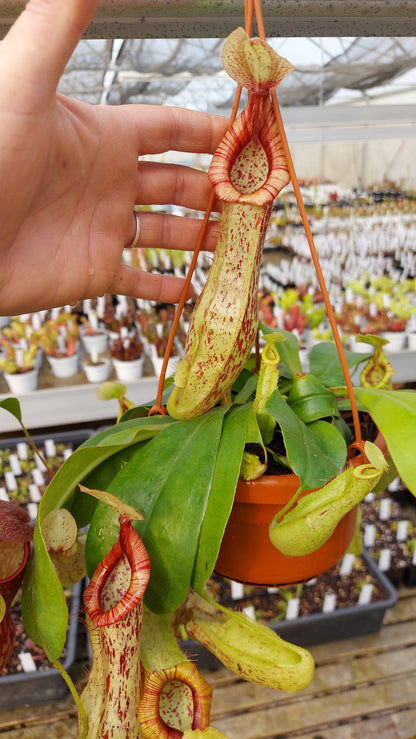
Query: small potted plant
(97,367)
(127,353)
(391,327)
(118,313)
(93,334)
(59,338)
(20,366)
(155,330)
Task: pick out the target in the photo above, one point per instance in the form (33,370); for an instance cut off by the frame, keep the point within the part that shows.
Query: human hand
(70,176)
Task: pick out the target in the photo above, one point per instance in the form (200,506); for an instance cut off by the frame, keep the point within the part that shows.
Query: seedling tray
(31,479)
(44,684)
(389,536)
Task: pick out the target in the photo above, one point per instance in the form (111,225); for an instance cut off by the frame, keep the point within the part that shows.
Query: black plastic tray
(320,628)
(28,688)
(74,437)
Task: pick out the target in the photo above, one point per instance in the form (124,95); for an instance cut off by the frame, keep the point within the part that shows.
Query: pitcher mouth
(251,122)
(20,570)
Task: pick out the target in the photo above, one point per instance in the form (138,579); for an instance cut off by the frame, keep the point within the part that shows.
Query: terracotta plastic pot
(9,585)
(247,554)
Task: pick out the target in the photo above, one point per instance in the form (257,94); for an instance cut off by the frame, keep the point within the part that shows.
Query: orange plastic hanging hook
(251,7)
(158,408)
(312,247)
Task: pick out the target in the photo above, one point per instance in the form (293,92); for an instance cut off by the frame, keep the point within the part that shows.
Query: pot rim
(275,489)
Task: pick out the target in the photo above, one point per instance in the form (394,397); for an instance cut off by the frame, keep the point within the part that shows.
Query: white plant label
(40,464)
(37,476)
(27,662)
(237,590)
(250,611)
(50,449)
(15,464)
(384,561)
(21,449)
(3,494)
(329,603)
(385,509)
(402,530)
(67,453)
(292,610)
(10,480)
(32,509)
(34,493)
(347,564)
(366,594)
(369,535)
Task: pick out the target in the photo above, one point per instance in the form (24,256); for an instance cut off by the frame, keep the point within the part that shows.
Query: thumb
(41,41)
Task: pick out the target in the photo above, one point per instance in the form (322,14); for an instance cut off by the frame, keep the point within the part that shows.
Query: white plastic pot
(396,339)
(157,362)
(64,366)
(128,371)
(94,343)
(98,372)
(411,341)
(22,382)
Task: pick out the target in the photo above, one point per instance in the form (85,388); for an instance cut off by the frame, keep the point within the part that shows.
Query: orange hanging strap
(312,247)
(158,408)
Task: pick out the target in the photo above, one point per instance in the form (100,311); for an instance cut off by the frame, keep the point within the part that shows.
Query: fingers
(162,128)
(148,286)
(162,231)
(42,39)
(174,184)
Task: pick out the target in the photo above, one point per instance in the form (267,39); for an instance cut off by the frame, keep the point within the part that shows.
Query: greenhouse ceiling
(186,70)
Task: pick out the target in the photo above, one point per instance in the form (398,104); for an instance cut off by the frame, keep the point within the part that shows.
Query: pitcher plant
(177,461)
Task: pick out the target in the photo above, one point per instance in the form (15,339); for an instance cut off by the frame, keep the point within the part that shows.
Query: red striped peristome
(152,724)
(114,608)
(128,547)
(248,171)
(257,119)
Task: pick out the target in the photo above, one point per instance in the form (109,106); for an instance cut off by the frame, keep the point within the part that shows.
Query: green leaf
(221,496)
(310,399)
(325,364)
(83,506)
(168,481)
(247,390)
(331,441)
(131,431)
(12,405)
(41,584)
(394,412)
(44,609)
(306,452)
